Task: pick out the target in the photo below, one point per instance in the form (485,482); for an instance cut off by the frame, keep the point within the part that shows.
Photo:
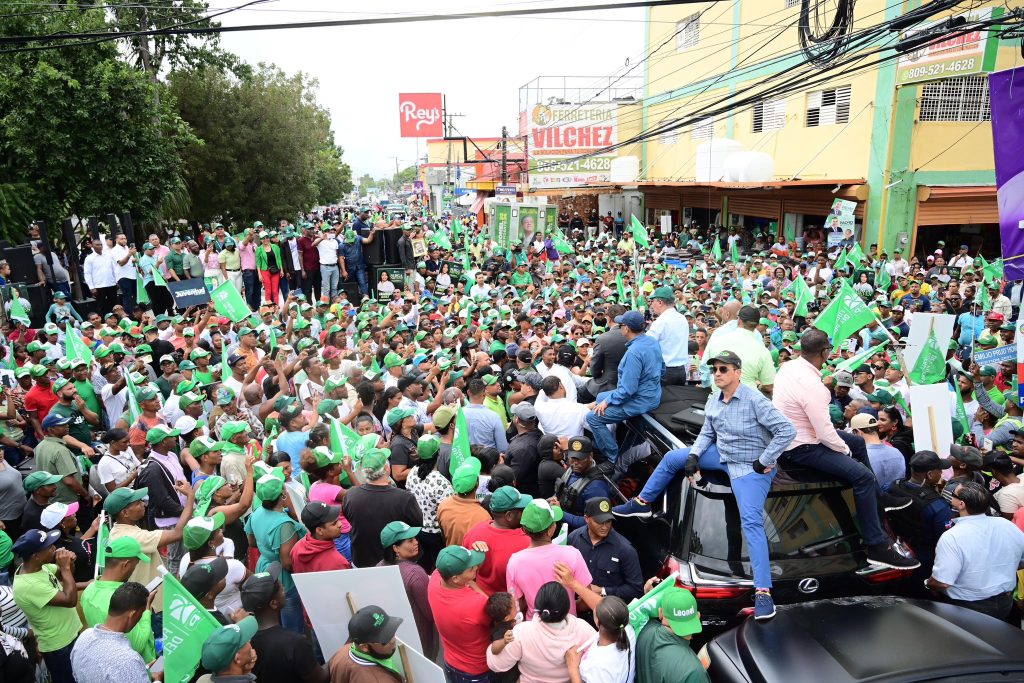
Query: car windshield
(799,524)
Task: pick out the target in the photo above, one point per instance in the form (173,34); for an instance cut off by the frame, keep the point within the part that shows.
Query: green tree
(406,175)
(333,176)
(81,131)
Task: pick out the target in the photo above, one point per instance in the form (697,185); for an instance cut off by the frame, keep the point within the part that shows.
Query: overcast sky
(479,64)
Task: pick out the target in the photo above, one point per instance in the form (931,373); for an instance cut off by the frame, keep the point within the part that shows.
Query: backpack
(908,523)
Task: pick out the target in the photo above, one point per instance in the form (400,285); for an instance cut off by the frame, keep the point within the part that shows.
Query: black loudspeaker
(94,227)
(352,291)
(112,225)
(128,227)
(85,307)
(38,298)
(373,253)
(23,268)
(391,237)
(44,233)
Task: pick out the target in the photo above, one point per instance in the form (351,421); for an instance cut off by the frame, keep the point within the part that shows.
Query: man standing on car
(804,399)
(744,432)
(976,560)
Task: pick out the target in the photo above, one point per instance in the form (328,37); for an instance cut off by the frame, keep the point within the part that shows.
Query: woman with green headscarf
(274,531)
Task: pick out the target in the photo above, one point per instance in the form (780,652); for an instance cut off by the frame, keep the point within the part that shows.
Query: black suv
(815,548)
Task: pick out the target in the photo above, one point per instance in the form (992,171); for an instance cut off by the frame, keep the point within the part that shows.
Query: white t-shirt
(1010,498)
(562,417)
(328,250)
(116,468)
(562,373)
(128,269)
(609,664)
(113,403)
(230,599)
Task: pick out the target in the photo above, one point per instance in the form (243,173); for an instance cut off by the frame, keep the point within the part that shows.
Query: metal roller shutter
(661,200)
(759,207)
(702,199)
(959,206)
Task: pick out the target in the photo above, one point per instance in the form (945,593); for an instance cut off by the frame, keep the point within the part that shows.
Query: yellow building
(914,150)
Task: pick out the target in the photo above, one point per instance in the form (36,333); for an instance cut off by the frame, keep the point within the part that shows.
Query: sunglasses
(721,369)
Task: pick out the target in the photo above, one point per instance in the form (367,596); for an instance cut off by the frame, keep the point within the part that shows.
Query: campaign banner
(996,355)
(958,55)
(501,228)
(1008,141)
(420,115)
(529,223)
(188,293)
(389,274)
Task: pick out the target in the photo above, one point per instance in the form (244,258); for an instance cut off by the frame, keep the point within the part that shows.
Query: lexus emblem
(808,586)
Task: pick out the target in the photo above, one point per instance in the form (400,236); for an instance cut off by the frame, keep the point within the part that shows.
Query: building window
(703,129)
(956,99)
(769,115)
(826,107)
(669,137)
(687,32)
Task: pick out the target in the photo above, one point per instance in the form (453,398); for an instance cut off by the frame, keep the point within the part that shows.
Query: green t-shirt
(55,627)
(521,280)
(176,262)
(78,428)
(6,556)
(95,601)
(54,457)
(88,394)
(997,395)
(204,378)
(664,657)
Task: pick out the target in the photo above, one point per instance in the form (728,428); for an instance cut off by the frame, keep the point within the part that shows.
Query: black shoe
(882,555)
(890,502)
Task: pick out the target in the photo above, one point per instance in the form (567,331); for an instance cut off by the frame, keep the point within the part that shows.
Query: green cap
(466,477)
(789,336)
(122,497)
(375,458)
(539,515)
(198,530)
(38,479)
(38,370)
(146,394)
(393,360)
(454,559)
(987,371)
(880,396)
(126,548)
(59,384)
(158,433)
(427,446)
(327,406)
(489,380)
(324,457)
(679,608)
(509,498)
(399,414)
(222,645)
(230,429)
(395,532)
(269,487)
(664,293)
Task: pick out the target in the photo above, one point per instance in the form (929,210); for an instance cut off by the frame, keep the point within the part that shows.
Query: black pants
(997,606)
(674,376)
(312,286)
(159,298)
(106,299)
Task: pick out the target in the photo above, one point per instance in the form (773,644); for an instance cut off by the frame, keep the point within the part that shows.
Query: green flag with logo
(849,364)
(560,243)
(187,625)
(17,308)
(158,279)
(639,233)
(460,446)
(884,280)
(845,316)
(645,608)
(930,367)
(229,303)
(441,240)
(802,295)
(134,411)
(716,249)
(841,261)
(734,253)
(75,347)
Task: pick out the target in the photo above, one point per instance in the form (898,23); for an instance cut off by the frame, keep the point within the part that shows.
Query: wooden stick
(351,603)
(405,662)
(931,427)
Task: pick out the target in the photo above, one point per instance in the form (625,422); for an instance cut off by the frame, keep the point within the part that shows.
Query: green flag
(102,538)
(852,362)
(803,296)
(18,308)
(187,625)
(857,254)
(734,253)
(639,233)
(846,315)
(620,289)
(441,240)
(75,347)
(984,300)
(460,446)
(993,271)
(961,412)
(141,295)
(645,608)
(229,303)
(158,279)
(134,411)
(841,262)
(560,244)
(930,367)
(884,280)
(716,249)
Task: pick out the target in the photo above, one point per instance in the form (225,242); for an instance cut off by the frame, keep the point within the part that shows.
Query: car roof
(886,638)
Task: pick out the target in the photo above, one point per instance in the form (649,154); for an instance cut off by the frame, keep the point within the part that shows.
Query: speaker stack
(23,268)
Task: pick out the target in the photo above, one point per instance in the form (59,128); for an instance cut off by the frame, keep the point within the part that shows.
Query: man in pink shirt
(531,568)
(802,398)
(247,254)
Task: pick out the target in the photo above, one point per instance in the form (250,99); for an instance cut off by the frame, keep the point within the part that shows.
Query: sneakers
(891,502)
(764,606)
(634,508)
(882,555)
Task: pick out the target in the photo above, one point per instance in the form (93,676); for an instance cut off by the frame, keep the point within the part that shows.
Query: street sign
(505,190)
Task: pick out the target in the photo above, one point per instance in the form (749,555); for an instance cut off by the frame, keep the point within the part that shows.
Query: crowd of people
(461,424)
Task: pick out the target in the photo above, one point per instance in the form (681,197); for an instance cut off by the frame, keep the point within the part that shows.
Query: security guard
(582,481)
(612,560)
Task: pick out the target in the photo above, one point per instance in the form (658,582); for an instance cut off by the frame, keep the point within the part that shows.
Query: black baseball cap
(598,509)
(317,514)
(727,357)
(926,461)
(580,447)
(200,578)
(259,588)
(968,455)
(524,355)
(749,314)
(372,624)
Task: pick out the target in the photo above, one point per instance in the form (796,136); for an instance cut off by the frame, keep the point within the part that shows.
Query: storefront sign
(561,132)
(419,115)
(959,55)
(1008,141)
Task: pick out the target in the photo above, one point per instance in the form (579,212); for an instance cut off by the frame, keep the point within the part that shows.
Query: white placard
(666,224)
(933,422)
(324,597)
(421,669)
(920,324)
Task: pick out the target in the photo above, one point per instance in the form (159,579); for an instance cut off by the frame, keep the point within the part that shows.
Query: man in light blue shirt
(976,560)
(672,331)
(887,462)
(485,427)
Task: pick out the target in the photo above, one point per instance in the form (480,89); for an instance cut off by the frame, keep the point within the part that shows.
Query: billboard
(420,115)
(1007,142)
(558,133)
(960,55)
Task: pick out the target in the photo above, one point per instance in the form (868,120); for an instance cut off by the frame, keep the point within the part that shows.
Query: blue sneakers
(634,508)
(764,606)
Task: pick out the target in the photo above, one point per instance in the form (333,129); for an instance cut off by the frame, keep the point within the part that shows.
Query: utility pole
(504,155)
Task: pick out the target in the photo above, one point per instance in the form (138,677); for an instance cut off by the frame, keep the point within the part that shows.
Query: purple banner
(1008,141)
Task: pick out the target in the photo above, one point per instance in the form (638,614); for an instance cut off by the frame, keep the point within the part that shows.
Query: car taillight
(719,592)
(888,575)
(745,612)
(669,566)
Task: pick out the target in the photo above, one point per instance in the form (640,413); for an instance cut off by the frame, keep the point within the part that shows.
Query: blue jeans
(751,491)
(62,287)
(852,472)
(360,277)
(251,282)
(672,464)
(329,279)
(604,440)
(291,615)
(58,663)
(126,285)
(453,675)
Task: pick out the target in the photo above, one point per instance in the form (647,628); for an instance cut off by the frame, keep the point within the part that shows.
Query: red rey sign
(420,115)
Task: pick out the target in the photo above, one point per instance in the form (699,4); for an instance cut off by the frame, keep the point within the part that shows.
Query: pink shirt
(328,494)
(531,568)
(247,252)
(800,395)
(539,649)
(159,253)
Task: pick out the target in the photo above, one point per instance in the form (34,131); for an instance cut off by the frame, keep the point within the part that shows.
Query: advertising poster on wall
(558,133)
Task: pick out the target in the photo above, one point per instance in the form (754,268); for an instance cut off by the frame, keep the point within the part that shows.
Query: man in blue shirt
(582,481)
(639,384)
(915,301)
(353,263)
(612,560)
(971,323)
(485,427)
